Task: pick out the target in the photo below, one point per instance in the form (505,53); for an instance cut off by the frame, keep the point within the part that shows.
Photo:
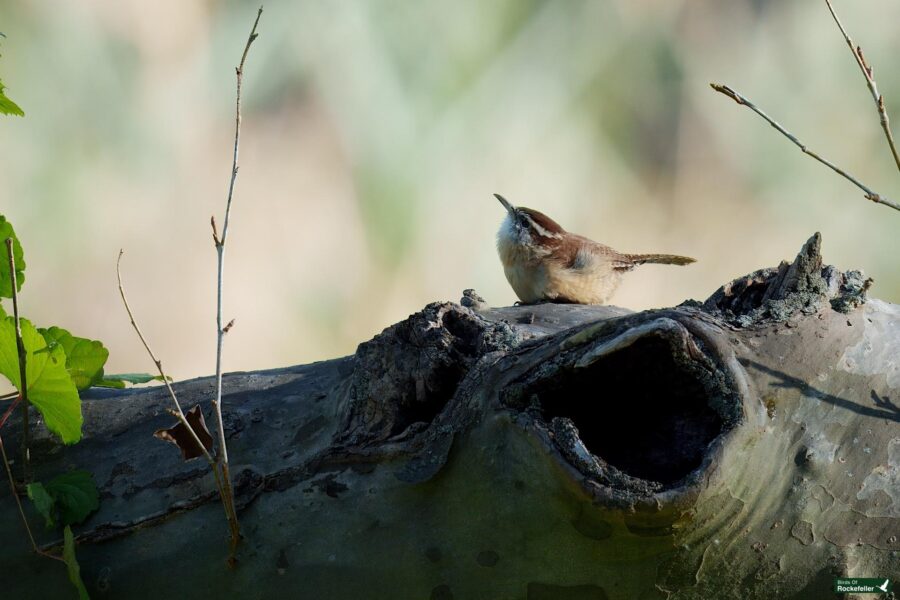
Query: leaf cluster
(58,363)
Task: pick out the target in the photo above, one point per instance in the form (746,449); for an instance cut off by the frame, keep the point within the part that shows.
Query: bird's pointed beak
(509,207)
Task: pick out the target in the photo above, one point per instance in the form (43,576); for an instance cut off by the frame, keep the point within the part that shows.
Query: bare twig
(869,193)
(219,463)
(20,347)
(239,72)
(178,413)
(870,82)
(221,330)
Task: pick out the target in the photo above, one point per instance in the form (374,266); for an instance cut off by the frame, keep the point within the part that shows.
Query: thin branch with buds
(869,193)
(219,462)
(221,330)
(870,82)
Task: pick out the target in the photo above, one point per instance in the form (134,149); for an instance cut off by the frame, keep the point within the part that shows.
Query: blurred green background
(375,133)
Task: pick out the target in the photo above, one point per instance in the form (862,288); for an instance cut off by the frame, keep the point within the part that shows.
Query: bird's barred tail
(662,259)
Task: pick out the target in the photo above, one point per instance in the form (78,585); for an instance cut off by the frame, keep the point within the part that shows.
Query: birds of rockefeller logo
(862,585)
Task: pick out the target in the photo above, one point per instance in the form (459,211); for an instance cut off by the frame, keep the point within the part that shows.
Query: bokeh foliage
(376,131)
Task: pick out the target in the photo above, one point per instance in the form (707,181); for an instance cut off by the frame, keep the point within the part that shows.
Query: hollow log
(743,447)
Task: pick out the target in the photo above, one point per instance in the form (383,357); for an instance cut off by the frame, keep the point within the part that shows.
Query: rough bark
(746,447)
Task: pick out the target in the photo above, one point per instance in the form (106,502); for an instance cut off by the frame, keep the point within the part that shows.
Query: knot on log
(403,377)
(776,294)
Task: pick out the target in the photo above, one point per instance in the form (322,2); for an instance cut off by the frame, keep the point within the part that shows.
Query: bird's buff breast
(592,287)
(534,279)
(540,281)
(528,281)
(524,271)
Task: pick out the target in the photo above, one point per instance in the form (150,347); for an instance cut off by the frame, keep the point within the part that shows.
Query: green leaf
(2,312)
(84,358)
(120,379)
(72,563)
(6,231)
(43,502)
(7,106)
(50,389)
(76,495)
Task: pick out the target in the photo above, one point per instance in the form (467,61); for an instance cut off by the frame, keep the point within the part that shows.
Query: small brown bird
(545,263)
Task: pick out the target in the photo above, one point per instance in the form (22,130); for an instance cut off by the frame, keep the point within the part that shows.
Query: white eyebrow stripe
(540,230)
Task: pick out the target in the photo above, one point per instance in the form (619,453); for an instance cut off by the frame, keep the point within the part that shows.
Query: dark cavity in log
(639,409)
(635,413)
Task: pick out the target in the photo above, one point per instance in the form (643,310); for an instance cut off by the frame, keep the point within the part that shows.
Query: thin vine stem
(20,347)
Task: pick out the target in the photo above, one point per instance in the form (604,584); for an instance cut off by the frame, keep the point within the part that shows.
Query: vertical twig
(870,82)
(20,347)
(219,242)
